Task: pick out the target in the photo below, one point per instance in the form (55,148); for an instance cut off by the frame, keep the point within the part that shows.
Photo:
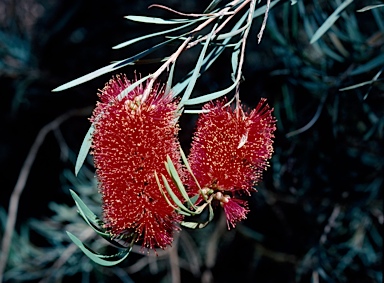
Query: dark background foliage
(317,216)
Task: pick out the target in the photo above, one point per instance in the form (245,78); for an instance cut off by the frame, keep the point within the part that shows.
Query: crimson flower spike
(230,150)
(131,141)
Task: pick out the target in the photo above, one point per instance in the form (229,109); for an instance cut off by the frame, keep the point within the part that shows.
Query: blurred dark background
(318,214)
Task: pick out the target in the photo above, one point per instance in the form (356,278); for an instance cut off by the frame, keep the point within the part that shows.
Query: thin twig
(222,25)
(260,35)
(173,58)
(174,261)
(22,179)
(242,53)
(183,46)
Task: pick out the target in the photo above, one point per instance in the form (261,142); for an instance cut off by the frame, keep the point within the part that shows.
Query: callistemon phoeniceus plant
(132,138)
(230,149)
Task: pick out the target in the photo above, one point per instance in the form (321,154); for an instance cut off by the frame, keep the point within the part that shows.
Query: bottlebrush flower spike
(230,149)
(131,141)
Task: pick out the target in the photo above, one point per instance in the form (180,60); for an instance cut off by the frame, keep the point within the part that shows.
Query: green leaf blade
(98,258)
(84,149)
(329,21)
(153,20)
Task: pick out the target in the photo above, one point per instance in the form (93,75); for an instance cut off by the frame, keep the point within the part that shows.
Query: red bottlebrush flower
(131,141)
(235,210)
(230,149)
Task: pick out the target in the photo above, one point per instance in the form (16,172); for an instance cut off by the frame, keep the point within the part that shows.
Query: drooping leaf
(175,176)
(105,260)
(189,169)
(198,225)
(90,218)
(163,193)
(174,197)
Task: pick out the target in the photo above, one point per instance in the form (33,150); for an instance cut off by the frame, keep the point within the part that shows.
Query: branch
(22,179)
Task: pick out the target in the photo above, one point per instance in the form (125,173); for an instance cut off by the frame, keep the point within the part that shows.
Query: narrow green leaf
(201,208)
(208,61)
(84,211)
(112,67)
(184,213)
(134,40)
(90,218)
(174,197)
(188,111)
(195,225)
(175,176)
(194,198)
(191,225)
(163,193)
(370,7)
(189,169)
(185,161)
(196,71)
(170,78)
(212,6)
(84,149)
(132,87)
(98,258)
(330,21)
(374,63)
(88,77)
(211,96)
(357,85)
(211,214)
(374,79)
(143,54)
(231,34)
(152,20)
(235,58)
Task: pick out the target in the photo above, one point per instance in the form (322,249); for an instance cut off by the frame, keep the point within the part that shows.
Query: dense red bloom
(230,149)
(131,141)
